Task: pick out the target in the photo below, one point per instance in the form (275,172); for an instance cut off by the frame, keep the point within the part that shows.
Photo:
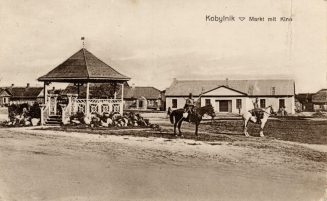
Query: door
(225,106)
(281,103)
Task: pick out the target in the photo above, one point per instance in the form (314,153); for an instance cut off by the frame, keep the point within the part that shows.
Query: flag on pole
(83,38)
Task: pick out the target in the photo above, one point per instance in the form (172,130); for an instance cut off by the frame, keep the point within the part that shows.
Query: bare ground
(56,165)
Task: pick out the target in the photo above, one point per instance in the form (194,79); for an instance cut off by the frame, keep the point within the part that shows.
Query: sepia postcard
(162,100)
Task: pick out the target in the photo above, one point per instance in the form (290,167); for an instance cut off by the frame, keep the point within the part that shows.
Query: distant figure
(189,106)
(256,103)
(282,111)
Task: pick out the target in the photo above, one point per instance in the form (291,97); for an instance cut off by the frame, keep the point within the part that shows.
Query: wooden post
(63,113)
(55,97)
(45,92)
(87,98)
(122,92)
(42,106)
(78,85)
(122,99)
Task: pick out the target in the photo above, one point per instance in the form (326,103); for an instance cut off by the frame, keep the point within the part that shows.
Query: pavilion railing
(66,112)
(45,112)
(98,106)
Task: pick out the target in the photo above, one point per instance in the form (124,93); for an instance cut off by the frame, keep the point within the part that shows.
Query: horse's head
(209,110)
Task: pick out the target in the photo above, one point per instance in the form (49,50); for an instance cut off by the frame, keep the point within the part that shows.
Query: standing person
(256,103)
(189,105)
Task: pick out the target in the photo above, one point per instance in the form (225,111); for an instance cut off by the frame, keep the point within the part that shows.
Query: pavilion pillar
(45,92)
(87,109)
(122,99)
(115,94)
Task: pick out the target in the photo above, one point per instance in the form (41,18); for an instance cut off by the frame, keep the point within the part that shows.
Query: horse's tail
(172,117)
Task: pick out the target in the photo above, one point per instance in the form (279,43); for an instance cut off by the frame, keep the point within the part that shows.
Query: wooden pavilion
(82,68)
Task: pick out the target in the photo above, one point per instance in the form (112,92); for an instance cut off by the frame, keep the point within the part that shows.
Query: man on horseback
(189,106)
(257,112)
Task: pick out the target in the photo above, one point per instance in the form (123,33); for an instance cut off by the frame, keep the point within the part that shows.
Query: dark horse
(176,117)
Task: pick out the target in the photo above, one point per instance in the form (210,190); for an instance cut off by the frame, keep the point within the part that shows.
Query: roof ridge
(86,65)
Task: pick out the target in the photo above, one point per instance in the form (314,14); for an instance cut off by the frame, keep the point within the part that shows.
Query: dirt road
(48,165)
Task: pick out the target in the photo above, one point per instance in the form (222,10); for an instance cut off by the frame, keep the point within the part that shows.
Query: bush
(35,111)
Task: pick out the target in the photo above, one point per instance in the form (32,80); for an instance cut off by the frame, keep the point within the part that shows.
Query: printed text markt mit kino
(230,18)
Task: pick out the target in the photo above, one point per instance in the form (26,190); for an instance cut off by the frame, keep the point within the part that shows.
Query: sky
(154,41)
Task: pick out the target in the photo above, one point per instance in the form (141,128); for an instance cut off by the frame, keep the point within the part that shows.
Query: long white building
(233,96)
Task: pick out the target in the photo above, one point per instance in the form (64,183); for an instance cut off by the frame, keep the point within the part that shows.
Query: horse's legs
(196,128)
(246,121)
(261,127)
(175,128)
(179,127)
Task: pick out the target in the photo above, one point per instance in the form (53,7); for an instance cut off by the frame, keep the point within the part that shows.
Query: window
(273,90)
(281,103)
(262,103)
(208,102)
(238,103)
(174,103)
(141,103)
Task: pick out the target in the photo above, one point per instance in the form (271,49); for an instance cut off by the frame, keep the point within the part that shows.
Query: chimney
(12,85)
(27,85)
(133,86)
(53,88)
(226,82)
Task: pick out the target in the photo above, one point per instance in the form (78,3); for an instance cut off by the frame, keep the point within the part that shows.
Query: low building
(19,95)
(233,96)
(304,102)
(319,100)
(4,97)
(142,98)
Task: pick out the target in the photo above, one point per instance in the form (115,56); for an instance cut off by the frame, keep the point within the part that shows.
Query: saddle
(188,110)
(258,113)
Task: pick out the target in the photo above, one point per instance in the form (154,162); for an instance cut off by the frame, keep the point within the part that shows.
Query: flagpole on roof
(83,38)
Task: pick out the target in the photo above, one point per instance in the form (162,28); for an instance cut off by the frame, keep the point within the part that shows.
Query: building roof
(81,67)
(25,92)
(4,92)
(248,87)
(138,92)
(320,96)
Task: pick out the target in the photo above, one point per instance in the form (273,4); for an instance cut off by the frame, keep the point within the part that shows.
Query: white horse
(248,117)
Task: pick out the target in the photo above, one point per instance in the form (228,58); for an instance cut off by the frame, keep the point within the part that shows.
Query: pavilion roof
(83,66)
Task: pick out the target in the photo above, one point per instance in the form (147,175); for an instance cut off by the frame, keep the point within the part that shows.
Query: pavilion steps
(53,120)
